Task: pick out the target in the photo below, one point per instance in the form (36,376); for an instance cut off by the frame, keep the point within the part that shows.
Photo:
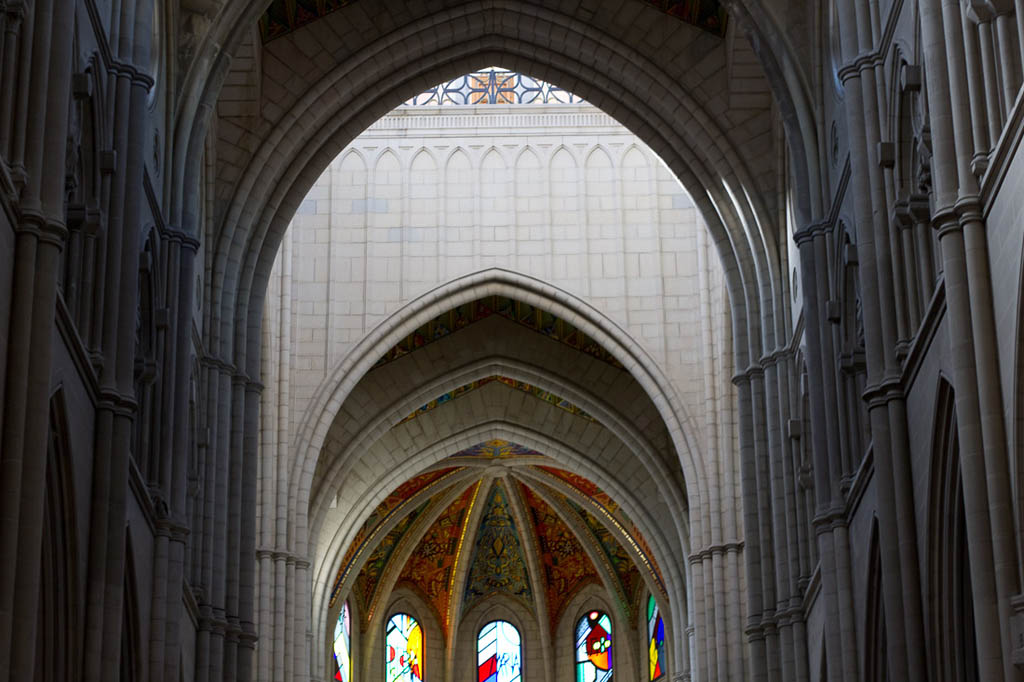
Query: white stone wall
(560,193)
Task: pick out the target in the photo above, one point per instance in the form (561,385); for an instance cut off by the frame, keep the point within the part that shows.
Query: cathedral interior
(511,340)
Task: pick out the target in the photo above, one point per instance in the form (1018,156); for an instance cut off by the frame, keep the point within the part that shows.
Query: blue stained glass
(656,640)
(499,653)
(594,648)
(343,646)
(403,649)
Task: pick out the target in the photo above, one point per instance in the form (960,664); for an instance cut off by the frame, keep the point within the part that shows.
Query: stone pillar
(39,237)
(752,548)
(900,581)
(981,430)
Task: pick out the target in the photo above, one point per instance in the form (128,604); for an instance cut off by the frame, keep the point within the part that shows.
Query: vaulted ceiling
(510,524)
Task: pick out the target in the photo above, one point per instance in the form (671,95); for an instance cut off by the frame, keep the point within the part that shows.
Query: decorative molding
(558,117)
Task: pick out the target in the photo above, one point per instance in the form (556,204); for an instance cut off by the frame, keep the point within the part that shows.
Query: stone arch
(534,646)
(355,650)
(876,665)
(779,57)
(591,598)
(146,370)
(403,601)
(949,619)
(131,663)
(433,456)
(343,378)
(643,640)
(58,632)
(307,173)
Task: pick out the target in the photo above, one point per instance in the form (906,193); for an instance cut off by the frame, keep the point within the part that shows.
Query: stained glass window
(499,653)
(403,649)
(656,640)
(494,85)
(594,648)
(343,646)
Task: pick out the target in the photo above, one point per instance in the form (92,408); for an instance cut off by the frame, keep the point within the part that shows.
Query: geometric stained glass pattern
(594,648)
(494,86)
(403,649)
(521,313)
(656,640)
(343,646)
(499,653)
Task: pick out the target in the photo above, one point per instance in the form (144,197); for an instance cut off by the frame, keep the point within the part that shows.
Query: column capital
(810,231)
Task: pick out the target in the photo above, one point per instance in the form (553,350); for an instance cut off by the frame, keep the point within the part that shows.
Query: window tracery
(494,85)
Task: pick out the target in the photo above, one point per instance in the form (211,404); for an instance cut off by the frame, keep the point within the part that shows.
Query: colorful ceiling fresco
(284,16)
(521,313)
(567,567)
(535,391)
(498,566)
(431,567)
(585,486)
(494,544)
(372,571)
(497,449)
(592,491)
(621,563)
(390,505)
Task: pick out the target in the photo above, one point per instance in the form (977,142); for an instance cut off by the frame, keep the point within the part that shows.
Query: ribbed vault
(319,86)
(495,528)
(515,404)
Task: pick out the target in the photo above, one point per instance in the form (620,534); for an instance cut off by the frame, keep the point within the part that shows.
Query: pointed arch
(876,668)
(949,621)
(57,636)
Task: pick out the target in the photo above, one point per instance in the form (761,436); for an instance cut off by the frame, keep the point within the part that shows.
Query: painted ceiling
(530,389)
(431,568)
(498,565)
(475,545)
(284,16)
(567,568)
(523,314)
(390,506)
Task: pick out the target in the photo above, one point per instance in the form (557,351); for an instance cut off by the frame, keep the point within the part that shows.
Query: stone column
(900,579)
(39,237)
(981,431)
(752,548)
